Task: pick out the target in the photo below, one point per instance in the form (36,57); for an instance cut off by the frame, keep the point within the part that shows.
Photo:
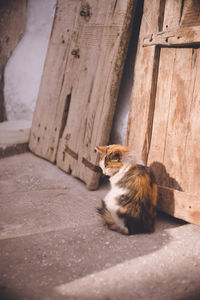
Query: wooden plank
(145,77)
(172,117)
(103,44)
(51,109)
(173,149)
(191,13)
(175,145)
(179,37)
(178,124)
(181,205)
(161,112)
(192,141)
(172,14)
(80,83)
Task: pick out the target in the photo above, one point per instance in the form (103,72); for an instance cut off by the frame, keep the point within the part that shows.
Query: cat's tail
(107,218)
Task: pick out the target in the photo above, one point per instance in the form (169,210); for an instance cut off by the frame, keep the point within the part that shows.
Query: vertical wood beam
(145,78)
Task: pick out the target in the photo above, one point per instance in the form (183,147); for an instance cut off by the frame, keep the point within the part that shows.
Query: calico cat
(130,205)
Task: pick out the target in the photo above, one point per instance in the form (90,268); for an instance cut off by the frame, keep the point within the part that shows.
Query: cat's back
(138,180)
(137,173)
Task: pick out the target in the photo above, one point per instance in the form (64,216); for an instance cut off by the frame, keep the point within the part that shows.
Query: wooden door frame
(153,36)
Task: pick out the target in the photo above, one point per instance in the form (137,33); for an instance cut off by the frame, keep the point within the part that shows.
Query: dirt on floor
(53,245)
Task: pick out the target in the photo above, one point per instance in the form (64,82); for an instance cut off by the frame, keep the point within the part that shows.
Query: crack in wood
(161,15)
(181,12)
(114,7)
(65,113)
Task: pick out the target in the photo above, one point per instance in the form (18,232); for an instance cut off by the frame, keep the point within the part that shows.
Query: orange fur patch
(109,151)
(134,190)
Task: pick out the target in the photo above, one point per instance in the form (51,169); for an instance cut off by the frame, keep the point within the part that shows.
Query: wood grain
(178,121)
(145,76)
(53,99)
(192,140)
(172,14)
(175,141)
(191,13)
(80,83)
(94,92)
(181,205)
(164,125)
(178,37)
(162,105)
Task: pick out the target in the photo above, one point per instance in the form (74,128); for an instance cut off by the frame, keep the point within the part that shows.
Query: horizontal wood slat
(178,37)
(179,204)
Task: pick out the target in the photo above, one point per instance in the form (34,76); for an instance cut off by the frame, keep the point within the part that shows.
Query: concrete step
(14,137)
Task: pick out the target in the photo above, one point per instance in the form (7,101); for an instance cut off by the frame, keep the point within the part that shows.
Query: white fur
(107,171)
(102,166)
(114,193)
(132,158)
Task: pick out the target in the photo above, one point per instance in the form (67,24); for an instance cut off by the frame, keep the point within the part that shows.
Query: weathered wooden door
(164,120)
(80,83)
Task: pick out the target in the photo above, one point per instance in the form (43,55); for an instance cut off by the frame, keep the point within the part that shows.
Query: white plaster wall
(24,69)
(120,122)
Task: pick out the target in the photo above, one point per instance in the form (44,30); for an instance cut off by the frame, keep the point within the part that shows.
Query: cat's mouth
(107,171)
(110,171)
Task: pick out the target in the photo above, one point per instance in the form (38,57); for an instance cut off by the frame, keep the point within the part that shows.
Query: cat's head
(112,158)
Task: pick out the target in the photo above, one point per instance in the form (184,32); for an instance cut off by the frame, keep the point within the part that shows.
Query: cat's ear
(116,156)
(100,149)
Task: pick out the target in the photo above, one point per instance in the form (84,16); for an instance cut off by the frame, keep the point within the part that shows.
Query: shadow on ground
(52,237)
(30,265)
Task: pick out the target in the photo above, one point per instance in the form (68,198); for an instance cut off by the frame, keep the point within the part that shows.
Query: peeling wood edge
(182,205)
(178,37)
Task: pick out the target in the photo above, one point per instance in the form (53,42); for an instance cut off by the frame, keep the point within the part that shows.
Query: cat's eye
(116,156)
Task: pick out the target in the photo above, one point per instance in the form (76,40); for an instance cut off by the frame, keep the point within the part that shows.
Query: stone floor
(54,246)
